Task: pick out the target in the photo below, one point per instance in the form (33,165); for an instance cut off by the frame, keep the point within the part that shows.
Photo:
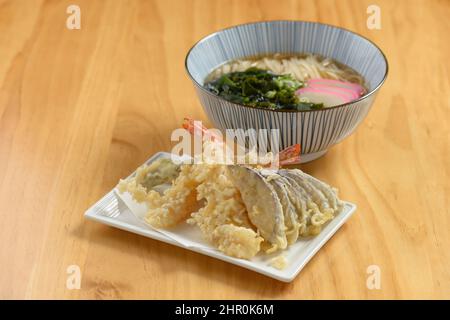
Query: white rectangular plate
(112,211)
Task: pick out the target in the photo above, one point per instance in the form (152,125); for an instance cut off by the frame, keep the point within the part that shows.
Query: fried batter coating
(235,241)
(178,201)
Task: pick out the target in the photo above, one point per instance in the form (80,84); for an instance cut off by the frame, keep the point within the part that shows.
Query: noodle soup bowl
(315,130)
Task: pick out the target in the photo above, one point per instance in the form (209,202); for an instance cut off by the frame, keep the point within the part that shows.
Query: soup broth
(287,82)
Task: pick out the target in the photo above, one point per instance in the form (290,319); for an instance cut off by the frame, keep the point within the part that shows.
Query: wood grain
(80,109)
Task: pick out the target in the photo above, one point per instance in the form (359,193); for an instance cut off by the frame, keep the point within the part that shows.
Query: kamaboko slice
(332,83)
(330,92)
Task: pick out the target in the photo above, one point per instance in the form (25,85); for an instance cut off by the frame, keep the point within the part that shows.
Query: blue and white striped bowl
(315,131)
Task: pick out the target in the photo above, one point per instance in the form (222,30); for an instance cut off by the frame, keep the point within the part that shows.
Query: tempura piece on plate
(235,241)
(178,201)
(321,211)
(222,204)
(149,177)
(329,192)
(223,219)
(263,206)
(279,262)
(279,184)
(316,195)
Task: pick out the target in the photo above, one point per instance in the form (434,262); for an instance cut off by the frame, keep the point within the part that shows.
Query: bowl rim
(205,38)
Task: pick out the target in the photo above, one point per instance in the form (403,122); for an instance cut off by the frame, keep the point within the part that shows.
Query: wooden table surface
(80,109)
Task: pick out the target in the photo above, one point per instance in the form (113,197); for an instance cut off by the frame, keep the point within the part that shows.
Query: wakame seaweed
(260,88)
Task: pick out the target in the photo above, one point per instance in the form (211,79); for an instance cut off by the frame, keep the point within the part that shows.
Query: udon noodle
(301,67)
